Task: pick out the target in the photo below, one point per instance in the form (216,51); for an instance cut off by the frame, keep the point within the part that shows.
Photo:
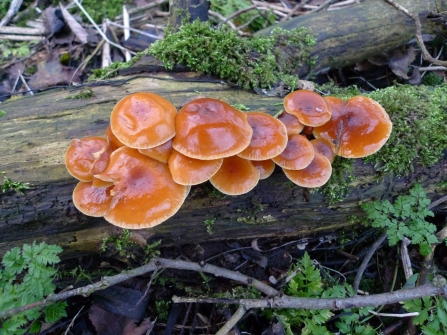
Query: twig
(106,59)
(72,321)
(406,262)
(322,6)
(418,35)
(22,37)
(13,9)
(403,315)
(328,303)
(99,29)
(21,31)
(134,30)
(232,321)
(126,25)
(237,13)
(366,260)
(144,7)
(154,264)
(222,18)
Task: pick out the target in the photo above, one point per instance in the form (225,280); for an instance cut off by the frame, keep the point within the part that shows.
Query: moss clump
(419,116)
(248,62)
(337,188)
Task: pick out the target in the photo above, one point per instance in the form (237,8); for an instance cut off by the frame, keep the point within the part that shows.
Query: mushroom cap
(265,168)
(293,125)
(90,200)
(359,127)
(315,175)
(190,171)
(102,158)
(116,143)
(144,194)
(143,120)
(160,153)
(298,153)
(236,176)
(322,147)
(269,137)
(210,129)
(309,107)
(79,156)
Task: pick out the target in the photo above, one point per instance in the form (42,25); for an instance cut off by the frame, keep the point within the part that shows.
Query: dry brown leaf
(400,61)
(79,31)
(51,74)
(131,327)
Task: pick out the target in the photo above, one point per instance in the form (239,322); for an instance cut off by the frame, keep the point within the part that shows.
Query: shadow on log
(37,130)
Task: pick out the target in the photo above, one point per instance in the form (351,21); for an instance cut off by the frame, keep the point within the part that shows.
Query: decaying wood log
(36,131)
(353,34)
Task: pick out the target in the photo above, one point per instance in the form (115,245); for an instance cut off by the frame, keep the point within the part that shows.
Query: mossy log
(36,131)
(370,28)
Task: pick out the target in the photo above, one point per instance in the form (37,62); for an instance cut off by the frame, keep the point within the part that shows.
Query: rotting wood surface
(371,28)
(37,130)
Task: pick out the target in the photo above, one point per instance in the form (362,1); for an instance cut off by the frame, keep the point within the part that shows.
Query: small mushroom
(293,125)
(116,143)
(90,200)
(79,157)
(143,120)
(322,147)
(298,153)
(210,129)
(190,171)
(309,107)
(160,153)
(269,137)
(359,127)
(315,175)
(144,193)
(236,176)
(265,168)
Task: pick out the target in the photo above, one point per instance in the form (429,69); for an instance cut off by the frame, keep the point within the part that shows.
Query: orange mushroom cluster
(140,173)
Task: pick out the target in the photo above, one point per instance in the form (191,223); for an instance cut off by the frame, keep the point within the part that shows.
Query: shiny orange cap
(298,153)
(315,175)
(309,107)
(143,120)
(269,137)
(210,129)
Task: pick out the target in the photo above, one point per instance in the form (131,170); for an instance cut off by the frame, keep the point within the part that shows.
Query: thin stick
(126,25)
(403,315)
(99,30)
(366,260)
(237,13)
(12,10)
(240,312)
(135,30)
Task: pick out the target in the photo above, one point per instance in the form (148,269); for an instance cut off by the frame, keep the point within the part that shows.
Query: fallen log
(353,34)
(36,131)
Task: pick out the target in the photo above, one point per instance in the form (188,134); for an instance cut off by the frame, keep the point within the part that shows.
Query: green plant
(251,63)
(86,93)
(125,246)
(404,218)
(16,186)
(2,112)
(26,277)
(308,283)
(14,49)
(209,225)
(99,10)
(162,308)
(432,316)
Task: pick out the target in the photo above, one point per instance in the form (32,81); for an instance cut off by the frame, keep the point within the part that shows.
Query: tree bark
(36,131)
(356,33)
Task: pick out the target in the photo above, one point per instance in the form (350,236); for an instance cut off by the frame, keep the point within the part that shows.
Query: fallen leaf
(80,33)
(54,20)
(53,73)
(144,328)
(400,61)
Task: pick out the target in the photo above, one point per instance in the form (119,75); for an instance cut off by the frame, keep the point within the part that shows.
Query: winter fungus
(143,120)
(236,176)
(359,127)
(90,200)
(315,175)
(293,125)
(160,153)
(322,147)
(265,168)
(190,171)
(144,193)
(269,137)
(298,153)
(210,129)
(79,157)
(309,107)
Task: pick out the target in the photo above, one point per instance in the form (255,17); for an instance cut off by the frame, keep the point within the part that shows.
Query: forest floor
(44,46)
